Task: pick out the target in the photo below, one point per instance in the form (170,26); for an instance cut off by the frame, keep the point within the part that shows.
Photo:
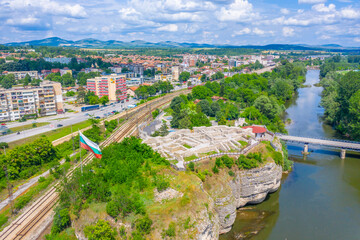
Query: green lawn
(187,146)
(52,134)
(192,157)
(28,126)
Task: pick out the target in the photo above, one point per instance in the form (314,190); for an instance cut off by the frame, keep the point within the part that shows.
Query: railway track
(30,219)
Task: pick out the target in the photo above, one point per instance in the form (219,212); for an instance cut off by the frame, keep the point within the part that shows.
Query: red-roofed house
(258,130)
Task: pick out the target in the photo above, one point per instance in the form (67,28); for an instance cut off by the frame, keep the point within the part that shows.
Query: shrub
(231,173)
(228,161)
(215,169)
(171,231)
(161,183)
(143,225)
(278,158)
(101,230)
(218,162)
(67,159)
(61,220)
(201,176)
(246,163)
(191,166)
(41,179)
(112,209)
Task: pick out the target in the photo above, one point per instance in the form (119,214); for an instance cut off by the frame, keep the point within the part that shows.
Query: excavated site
(199,141)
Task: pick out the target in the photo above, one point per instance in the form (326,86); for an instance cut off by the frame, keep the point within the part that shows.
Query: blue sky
(235,22)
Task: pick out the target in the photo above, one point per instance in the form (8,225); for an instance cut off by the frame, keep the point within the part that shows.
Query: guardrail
(319,138)
(243,151)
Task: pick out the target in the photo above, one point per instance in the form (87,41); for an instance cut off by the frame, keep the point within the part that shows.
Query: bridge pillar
(306,148)
(343,154)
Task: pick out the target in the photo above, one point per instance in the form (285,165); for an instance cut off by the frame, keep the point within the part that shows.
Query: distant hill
(95,43)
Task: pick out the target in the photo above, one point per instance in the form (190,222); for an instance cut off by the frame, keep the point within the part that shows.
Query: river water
(320,198)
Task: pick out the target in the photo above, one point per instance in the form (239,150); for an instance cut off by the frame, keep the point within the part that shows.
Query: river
(320,198)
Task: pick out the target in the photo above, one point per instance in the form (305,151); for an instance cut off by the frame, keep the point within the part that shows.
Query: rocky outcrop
(250,186)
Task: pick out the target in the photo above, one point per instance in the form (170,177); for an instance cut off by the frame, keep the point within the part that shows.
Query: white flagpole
(81,163)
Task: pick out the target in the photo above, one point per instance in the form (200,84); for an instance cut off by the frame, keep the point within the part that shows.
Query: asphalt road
(72,118)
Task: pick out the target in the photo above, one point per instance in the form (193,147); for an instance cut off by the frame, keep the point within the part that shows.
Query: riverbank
(320,198)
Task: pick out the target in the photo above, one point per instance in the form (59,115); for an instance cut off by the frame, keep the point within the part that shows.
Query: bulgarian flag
(90,145)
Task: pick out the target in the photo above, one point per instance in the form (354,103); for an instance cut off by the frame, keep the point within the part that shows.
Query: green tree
(267,106)
(205,107)
(201,92)
(26,80)
(184,76)
(104,100)
(61,220)
(68,80)
(100,231)
(8,81)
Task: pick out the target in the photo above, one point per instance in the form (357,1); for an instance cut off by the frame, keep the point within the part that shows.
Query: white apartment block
(21,74)
(43,101)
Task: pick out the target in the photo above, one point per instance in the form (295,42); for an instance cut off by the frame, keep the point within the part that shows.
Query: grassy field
(28,126)
(52,135)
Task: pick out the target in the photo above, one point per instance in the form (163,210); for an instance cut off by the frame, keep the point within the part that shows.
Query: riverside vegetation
(258,98)
(341,94)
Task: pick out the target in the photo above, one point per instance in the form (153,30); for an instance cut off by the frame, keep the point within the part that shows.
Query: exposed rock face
(166,194)
(250,186)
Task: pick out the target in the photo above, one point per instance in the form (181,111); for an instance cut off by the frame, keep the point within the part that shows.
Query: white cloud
(357,40)
(284,11)
(242,32)
(23,21)
(47,6)
(311,1)
(350,13)
(261,32)
(239,11)
(323,8)
(287,31)
(168,28)
(258,31)
(325,37)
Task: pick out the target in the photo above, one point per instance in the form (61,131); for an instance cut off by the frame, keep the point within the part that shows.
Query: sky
(234,22)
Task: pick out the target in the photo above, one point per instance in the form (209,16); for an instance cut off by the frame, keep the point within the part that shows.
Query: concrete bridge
(340,144)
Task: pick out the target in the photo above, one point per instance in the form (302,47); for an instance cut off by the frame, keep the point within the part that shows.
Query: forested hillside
(258,98)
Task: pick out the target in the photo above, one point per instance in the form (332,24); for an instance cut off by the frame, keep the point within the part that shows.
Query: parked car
(3,124)
(86,114)
(127,100)
(59,125)
(97,117)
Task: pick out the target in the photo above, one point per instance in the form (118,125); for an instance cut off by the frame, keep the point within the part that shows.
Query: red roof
(256,129)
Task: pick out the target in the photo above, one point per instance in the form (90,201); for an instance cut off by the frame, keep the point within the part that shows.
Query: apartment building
(175,70)
(21,74)
(114,86)
(40,101)
(164,77)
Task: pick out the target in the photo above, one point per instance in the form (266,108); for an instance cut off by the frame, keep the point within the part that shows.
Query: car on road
(86,114)
(59,125)
(127,100)
(3,124)
(97,117)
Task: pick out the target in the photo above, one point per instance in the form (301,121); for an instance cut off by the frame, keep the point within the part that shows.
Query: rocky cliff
(247,186)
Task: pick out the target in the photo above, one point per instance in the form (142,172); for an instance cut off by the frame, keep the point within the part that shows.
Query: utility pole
(9,186)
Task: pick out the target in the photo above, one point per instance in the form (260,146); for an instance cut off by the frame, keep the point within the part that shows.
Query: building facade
(45,100)
(22,74)
(113,86)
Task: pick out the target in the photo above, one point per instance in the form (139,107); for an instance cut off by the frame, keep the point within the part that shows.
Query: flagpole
(81,163)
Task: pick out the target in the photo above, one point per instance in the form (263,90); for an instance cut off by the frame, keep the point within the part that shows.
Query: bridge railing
(320,138)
